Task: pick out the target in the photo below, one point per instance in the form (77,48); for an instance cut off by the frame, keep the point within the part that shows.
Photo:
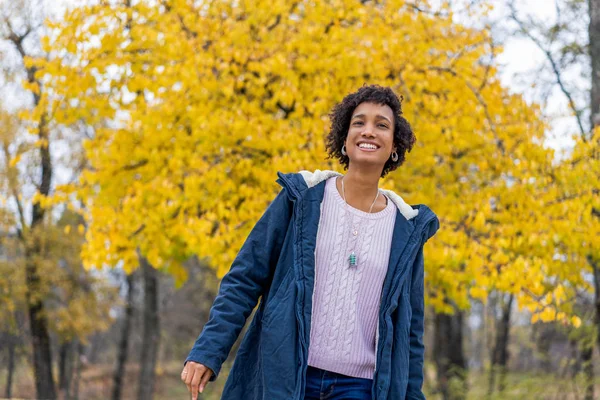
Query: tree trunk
(78,367)
(594,41)
(95,348)
(63,355)
(588,369)
(65,369)
(594,46)
(124,342)
(490,312)
(500,359)
(10,366)
(449,356)
(576,361)
(151,334)
(42,357)
(588,351)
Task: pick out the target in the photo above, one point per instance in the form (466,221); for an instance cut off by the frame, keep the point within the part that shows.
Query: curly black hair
(404,138)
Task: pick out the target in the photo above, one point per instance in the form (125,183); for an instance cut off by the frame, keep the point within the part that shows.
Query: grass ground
(96,384)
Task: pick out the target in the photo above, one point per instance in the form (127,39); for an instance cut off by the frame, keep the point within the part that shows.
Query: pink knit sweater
(346,299)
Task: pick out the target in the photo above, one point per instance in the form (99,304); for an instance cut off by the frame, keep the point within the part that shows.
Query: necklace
(352,261)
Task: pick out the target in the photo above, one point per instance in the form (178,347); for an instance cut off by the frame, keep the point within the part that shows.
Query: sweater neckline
(331,186)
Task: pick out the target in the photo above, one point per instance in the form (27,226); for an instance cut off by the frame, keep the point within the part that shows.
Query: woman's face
(370,137)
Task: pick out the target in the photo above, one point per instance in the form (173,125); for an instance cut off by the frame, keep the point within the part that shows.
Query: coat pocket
(279,294)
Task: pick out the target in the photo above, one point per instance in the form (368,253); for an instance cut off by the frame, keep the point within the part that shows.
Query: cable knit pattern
(346,299)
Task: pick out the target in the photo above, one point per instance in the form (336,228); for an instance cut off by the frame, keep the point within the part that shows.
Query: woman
(339,265)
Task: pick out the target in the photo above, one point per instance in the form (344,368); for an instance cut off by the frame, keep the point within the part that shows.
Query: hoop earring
(344,150)
(394,156)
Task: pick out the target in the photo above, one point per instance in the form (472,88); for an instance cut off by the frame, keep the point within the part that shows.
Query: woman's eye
(358,123)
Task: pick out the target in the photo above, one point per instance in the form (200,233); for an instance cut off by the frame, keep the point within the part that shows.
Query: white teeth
(367,146)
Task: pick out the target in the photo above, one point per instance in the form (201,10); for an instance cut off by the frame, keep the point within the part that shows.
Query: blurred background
(140,140)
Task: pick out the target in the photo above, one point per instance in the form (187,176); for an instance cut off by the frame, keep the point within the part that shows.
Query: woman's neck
(360,188)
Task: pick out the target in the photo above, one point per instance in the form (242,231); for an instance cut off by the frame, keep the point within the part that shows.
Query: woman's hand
(196,377)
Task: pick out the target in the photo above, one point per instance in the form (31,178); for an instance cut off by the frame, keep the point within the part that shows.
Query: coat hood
(303,180)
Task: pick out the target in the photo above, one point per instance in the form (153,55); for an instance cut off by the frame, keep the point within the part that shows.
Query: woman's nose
(368,131)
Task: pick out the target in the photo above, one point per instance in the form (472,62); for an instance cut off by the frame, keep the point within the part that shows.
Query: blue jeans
(327,385)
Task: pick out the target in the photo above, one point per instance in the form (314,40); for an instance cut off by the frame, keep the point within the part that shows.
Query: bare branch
(554,65)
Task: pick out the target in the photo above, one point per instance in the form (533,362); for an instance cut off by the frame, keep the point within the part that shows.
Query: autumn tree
(195,105)
(16,31)
(567,197)
(45,266)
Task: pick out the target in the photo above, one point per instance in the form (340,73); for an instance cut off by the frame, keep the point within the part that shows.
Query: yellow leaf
(15,160)
(478,293)
(548,314)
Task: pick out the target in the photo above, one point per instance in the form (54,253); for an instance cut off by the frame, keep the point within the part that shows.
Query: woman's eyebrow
(377,116)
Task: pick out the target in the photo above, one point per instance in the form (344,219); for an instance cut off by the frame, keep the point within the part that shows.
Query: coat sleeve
(417,302)
(240,289)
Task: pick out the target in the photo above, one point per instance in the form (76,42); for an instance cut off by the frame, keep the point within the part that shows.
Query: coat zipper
(380,351)
(303,341)
(377,340)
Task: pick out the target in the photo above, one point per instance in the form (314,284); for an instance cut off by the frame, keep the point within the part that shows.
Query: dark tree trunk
(63,356)
(588,351)
(78,367)
(491,312)
(594,40)
(151,334)
(576,359)
(11,365)
(42,357)
(95,348)
(63,353)
(588,369)
(449,356)
(500,355)
(123,343)
(65,369)
(594,46)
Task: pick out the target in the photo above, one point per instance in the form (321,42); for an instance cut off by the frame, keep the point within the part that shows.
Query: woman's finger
(198,372)
(185,371)
(188,378)
(207,374)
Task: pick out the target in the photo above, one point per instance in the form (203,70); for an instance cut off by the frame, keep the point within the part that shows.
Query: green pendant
(352,259)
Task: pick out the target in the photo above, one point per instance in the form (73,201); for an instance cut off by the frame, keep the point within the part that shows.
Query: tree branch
(555,68)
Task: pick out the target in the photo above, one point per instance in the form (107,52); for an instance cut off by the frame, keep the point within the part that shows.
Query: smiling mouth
(368,148)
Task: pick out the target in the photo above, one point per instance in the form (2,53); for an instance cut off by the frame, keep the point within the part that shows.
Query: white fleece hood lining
(313,178)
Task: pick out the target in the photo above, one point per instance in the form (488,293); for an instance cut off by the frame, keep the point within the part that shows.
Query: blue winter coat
(277,262)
